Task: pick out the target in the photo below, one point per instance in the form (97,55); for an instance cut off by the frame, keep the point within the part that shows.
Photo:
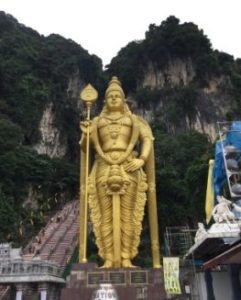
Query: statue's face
(114,101)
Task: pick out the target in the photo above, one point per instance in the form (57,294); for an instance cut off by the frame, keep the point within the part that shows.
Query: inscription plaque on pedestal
(138,278)
(95,278)
(80,275)
(128,284)
(117,278)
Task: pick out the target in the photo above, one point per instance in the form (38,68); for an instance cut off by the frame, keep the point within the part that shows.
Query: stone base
(87,282)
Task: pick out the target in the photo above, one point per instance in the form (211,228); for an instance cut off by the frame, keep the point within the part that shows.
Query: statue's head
(115,97)
(114,86)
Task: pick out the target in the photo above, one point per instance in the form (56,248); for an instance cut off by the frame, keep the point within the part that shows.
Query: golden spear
(89,96)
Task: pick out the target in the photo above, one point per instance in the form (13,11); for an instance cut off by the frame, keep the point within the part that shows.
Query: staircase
(58,239)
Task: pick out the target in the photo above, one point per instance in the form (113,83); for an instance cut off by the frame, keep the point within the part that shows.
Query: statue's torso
(114,134)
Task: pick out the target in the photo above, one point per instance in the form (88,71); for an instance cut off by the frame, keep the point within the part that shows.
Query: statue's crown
(114,85)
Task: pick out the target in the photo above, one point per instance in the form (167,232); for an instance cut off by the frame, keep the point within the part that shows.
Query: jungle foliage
(34,71)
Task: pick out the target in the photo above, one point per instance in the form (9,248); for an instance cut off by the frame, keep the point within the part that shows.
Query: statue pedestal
(87,282)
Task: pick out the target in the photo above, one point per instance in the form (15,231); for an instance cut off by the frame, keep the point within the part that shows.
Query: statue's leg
(106,227)
(132,212)
(127,224)
(101,211)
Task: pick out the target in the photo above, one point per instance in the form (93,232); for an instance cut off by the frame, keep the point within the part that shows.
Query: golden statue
(120,182)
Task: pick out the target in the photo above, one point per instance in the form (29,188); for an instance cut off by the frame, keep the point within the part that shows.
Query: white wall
(221,285)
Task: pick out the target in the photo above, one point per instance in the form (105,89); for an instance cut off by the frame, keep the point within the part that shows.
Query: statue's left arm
(146,139)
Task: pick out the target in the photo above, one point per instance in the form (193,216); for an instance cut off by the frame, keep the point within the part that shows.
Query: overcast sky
(103,27)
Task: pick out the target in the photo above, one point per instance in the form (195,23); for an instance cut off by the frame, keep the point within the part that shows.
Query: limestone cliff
(175,76)
(175,73)
(51,142)
(209,104)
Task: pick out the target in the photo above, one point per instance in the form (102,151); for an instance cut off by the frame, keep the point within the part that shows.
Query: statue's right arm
(83,126)
(83,142)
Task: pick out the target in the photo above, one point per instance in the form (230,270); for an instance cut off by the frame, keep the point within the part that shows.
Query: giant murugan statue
(121,180)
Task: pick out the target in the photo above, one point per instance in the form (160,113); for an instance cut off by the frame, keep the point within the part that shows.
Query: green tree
(11,136)
(181,162)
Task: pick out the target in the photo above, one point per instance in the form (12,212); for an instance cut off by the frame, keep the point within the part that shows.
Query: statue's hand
(134,165)
(84,126)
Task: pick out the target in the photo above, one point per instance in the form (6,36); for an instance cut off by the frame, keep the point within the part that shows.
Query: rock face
(75,85)
(210,105)
(175,73)
(51,143)
(31,201)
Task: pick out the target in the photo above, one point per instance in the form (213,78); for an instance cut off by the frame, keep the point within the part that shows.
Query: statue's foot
(126,263)
(107,264)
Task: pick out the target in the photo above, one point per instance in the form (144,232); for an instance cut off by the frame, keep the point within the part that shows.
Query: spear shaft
(88,95)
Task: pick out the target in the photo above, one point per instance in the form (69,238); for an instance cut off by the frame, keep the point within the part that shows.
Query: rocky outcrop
(75,85)
(212,103)
(175,73)
(32,199)
(50,143)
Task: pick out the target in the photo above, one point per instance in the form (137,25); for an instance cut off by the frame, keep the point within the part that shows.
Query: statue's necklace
(114,126)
